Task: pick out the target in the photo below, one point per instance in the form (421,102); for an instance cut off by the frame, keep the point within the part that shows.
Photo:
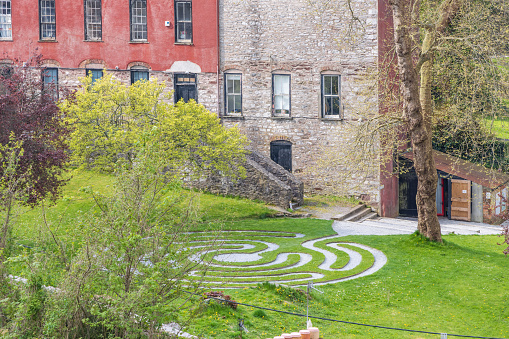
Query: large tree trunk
(418,126)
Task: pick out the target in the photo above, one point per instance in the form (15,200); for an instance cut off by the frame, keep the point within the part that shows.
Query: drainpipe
(218,64)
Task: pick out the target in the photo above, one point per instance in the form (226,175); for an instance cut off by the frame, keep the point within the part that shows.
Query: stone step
(360,215)
(357,214)
(350,213)
(370,216)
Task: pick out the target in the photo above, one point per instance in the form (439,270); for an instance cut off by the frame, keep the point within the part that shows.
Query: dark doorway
(281,153)
(407,193)
(185,87)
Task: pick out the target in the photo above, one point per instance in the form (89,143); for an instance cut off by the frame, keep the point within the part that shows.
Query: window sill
(139,42)
(233,117)
(93,40)
(281,117)
(4,39)
(184,43)
(48,40)
(331,118)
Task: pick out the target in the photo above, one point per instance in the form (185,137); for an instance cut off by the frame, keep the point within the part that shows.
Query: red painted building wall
(70,49)
(389,182)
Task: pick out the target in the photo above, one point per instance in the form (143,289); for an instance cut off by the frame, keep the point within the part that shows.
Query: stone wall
(68,78)
(304,39)
(265,181)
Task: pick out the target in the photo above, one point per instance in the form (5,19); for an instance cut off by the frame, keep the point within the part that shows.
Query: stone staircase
(357,214)
(265,180)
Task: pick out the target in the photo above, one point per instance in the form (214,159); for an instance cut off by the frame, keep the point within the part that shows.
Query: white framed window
(5,20)
(281,94)
(331,96)
(183,22)
(93,20)
(47,20)
(138,10)
(233,93)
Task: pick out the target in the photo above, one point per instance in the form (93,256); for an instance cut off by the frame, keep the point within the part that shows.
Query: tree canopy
(109,119)
(29,112)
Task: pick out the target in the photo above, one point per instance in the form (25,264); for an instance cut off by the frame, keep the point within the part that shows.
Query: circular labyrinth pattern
(247,258)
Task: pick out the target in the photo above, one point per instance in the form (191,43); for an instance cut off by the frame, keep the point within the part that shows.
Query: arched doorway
(281,153)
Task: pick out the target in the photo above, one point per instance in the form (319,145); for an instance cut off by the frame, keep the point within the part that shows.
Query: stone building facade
(283,53)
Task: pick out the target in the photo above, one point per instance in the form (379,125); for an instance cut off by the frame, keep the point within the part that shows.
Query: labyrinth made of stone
(246,258)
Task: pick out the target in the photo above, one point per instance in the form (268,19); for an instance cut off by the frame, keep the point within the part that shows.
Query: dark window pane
(180,11)
(327,85)
(187,11)
(231,104)
(188,30)
(335,85)
(229,87)
(236,87)
(328,106)
(181,33)
(335,106)
(139,75)
(238,104)
(95,73)
(50,80)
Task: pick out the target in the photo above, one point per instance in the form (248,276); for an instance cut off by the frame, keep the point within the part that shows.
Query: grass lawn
(77,199)
(457,288)
(498,127)
(460,287)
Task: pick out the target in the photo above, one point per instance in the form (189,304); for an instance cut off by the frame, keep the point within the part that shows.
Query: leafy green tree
(424,32)
(13,189)
(108,119)
(136,256)
(136,253)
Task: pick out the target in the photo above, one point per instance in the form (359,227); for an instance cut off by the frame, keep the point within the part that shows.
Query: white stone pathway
(388,226)
(253,277)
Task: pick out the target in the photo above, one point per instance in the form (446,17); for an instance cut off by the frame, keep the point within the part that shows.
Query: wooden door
(460,199)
